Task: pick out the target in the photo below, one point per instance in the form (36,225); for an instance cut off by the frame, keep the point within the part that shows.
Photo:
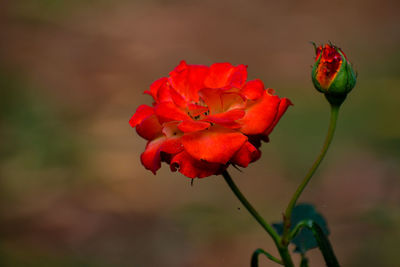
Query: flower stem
(322,240)
(307,178)
(254,257)
(283,251)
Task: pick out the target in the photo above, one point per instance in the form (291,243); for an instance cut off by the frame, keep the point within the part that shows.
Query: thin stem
(254,258)
(283,251)
(304,261)
(322,240)
(307,178)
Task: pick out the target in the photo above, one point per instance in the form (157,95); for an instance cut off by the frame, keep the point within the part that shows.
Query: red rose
(205,118)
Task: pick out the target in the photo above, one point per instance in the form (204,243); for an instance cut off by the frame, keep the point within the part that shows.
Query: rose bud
(332,73)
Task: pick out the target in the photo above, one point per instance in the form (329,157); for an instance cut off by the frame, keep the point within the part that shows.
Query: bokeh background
(72,189)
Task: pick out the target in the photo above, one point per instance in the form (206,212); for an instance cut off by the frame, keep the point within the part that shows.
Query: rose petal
(155,86)
(150,158)
(253,89)
(246,154)
(225,75)
(212,98)
(260,114)
(195,110)
(187,80)
(217,144)
(239,76)
(172,145)
(178,99)
(164,93)
(168,111)
(149,128)
(283,106)
(188,126)
(170,129)
(232,101)
(193,168)
(142,112)
(227,119)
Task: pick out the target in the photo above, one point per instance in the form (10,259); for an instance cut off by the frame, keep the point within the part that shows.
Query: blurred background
(72,189)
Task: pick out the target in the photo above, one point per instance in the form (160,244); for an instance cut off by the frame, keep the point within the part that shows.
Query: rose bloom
(205,118)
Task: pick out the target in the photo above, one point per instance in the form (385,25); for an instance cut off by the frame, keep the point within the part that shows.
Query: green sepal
(345,79)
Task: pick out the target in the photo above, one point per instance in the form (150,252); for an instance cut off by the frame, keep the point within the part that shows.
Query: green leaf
(305,239)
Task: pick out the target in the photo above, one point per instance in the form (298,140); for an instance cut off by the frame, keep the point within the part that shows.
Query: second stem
(307,178)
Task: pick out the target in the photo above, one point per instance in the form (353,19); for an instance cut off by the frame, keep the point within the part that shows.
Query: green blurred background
(72,189)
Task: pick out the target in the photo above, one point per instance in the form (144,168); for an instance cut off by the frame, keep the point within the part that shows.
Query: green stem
(254,258)
(322,240)
(283,251)
(304,261)
(296,195)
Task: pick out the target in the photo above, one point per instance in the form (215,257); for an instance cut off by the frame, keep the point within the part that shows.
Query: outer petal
(225,75)
(172,145)
(150,158)
(227,119)
(193,168)
(164,93)
(187,80)
(149,128)
(168,111)
(217,144)
(142,112)
(253,89)
(193,126)
(155,86)
(283,106)
(247,154)
(260,114)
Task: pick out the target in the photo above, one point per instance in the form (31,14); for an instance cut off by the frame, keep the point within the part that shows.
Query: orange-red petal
(149,128)
(253,89)
(217,144)
(188,126)
(227,119)
(151,158)
(231,101)
(196,110)
(168,111)
(212,98)
(172,145)
(283,106)
(246,154)
(178,99)
(187,80)
(225,75)
(193,168)
(155,86)
(260,114)
(142,112)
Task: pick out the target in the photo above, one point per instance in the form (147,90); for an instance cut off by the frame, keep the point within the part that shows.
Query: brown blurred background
(72,189)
